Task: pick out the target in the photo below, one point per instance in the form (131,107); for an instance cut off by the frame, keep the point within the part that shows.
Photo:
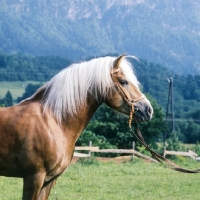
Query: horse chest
(58,166)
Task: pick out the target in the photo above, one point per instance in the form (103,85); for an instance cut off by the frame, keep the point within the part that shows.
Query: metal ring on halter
(136,109)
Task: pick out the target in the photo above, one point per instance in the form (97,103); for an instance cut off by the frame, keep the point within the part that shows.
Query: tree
(173,142)
(29,90)
(3,61)
(154,129)
(8,100)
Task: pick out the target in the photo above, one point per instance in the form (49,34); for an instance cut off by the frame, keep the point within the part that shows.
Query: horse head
(126,97)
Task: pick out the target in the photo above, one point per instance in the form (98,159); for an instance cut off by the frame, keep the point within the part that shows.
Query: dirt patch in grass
(120,159)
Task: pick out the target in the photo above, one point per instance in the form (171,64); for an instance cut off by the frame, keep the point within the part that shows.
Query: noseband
(126,95)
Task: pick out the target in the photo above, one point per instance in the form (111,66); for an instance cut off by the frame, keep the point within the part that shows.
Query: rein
(157,156)
(133,109)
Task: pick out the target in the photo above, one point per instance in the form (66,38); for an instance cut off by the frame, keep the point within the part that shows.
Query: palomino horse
(37,136)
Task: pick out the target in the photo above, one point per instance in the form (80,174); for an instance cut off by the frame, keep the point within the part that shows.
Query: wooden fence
(91,149)
(189,153)
(132,151)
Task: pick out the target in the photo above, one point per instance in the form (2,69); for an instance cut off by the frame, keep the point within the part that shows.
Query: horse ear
(118,61)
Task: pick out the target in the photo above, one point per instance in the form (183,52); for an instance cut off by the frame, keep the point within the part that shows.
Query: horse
(38,135)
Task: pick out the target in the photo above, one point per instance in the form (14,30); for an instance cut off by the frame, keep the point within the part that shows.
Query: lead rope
(155,155)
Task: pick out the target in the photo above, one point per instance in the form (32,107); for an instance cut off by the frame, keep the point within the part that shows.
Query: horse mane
(67,91)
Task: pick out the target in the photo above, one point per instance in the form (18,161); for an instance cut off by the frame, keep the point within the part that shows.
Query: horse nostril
(149,110)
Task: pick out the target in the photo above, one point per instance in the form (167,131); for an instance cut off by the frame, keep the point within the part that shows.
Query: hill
(165,32)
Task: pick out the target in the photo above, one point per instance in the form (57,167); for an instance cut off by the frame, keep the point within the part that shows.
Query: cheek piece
(125,95)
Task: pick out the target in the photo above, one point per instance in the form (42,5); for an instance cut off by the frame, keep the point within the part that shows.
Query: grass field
(16,88)
(92,180)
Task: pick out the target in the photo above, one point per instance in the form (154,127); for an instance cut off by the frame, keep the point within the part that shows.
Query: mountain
(165,32)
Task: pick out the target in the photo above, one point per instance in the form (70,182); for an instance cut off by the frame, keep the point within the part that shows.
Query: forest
(104,130)
(18,67)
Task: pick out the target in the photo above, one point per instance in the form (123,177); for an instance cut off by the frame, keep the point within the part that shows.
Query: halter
(126,95)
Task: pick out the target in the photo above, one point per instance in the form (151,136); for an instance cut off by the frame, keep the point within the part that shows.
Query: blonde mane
(67,91)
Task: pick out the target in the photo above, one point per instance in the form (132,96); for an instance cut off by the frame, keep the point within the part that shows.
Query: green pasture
(92,180)
(16,88)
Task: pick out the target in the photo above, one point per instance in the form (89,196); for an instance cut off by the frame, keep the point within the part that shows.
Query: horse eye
(123,82)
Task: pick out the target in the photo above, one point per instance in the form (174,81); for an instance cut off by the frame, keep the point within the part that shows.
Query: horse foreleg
(32,186)
(45,191)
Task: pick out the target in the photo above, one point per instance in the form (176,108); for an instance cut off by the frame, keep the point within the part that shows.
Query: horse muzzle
(141,115)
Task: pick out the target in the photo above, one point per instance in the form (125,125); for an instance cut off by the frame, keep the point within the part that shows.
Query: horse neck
(74,124)
(80,120)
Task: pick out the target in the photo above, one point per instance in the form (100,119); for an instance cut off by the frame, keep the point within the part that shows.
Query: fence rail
(189,153)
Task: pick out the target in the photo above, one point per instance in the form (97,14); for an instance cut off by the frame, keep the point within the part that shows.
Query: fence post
(164,151)
(89,152)
(133,147)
